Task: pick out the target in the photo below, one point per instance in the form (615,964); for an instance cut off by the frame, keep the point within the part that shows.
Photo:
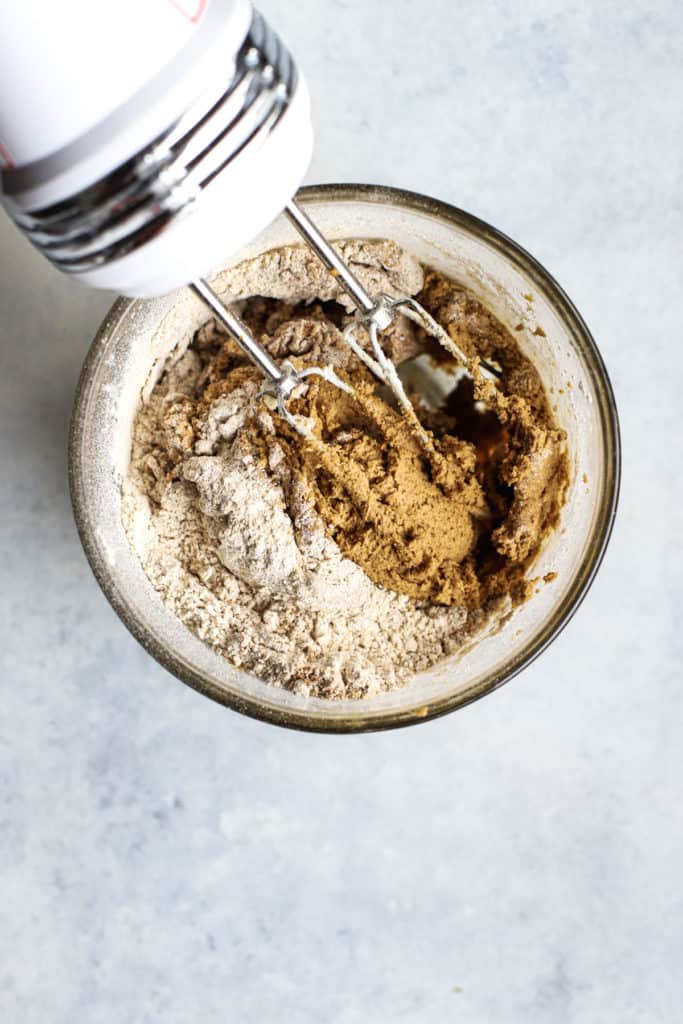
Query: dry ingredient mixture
(341,569)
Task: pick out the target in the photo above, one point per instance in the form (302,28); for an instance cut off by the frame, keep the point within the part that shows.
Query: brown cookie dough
(339,567)
(453,525)
(410,519)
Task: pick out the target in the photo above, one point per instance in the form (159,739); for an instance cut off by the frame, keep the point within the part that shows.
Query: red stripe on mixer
(6,156)
(192,9)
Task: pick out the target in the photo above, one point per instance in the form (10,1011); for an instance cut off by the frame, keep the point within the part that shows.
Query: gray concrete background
(162,859)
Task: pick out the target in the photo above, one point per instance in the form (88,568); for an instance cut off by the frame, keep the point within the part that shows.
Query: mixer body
(144,143)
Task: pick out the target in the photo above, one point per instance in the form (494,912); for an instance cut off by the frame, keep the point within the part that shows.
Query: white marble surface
(163,859)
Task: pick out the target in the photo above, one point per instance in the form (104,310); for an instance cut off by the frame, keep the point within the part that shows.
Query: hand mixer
(144,141)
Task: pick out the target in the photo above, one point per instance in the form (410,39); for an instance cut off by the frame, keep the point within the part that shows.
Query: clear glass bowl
(127,356)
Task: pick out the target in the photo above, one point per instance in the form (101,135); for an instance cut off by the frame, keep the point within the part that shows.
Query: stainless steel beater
(372,316)
(281,380)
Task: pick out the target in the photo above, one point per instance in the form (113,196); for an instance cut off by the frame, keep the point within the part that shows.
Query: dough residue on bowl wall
(345,576)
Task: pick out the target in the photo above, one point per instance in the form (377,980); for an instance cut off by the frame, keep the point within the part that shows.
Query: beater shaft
(239,332)
(377,314)
(281,381)
(327,255)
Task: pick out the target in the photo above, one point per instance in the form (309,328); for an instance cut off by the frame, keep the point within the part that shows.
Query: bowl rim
(393,718)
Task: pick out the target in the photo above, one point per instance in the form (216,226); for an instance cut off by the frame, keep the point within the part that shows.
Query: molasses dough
(455,520)
(342,565)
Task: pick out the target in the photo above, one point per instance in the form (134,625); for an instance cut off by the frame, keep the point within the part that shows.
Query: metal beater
(372,317)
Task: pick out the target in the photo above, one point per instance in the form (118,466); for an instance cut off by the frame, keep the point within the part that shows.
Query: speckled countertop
(162,859)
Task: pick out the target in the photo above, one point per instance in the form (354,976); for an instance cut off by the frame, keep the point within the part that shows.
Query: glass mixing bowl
(126,359)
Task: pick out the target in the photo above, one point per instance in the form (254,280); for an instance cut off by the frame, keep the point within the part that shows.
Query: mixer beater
(371,317)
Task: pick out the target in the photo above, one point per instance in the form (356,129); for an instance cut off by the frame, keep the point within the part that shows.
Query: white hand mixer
(130,130)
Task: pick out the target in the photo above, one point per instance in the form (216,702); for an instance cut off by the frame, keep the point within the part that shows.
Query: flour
(233,545)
